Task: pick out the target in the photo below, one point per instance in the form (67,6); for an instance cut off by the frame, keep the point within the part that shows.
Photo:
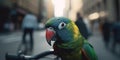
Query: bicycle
(21,56)
(24,48)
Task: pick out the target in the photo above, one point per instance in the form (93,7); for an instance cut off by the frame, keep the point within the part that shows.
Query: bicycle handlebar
(25,57)
(18,57)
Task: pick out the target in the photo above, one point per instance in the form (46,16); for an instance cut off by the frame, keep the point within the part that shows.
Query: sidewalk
(17,32)
(102,52)
(9,33)
(11,42)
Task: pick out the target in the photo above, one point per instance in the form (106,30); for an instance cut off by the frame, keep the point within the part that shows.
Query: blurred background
(101,18)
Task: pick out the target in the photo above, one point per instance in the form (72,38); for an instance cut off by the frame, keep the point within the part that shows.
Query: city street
(10,42)
(88,15)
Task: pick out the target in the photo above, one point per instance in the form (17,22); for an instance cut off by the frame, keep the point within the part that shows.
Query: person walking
(82,26)
(116,35)
(106,29)
(29,24)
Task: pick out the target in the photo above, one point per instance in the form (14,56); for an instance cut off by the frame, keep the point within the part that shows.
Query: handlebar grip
(43,54)
(14,57)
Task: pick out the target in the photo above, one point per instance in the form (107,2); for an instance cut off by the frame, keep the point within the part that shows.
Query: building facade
(105,8)
(101,10)
(14,11)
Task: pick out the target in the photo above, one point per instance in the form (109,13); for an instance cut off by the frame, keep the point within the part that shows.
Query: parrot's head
(61,29)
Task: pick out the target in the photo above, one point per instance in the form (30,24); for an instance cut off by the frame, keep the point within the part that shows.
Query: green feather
(89,50)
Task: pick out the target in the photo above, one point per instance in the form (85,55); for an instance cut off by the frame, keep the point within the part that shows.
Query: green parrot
(69,43)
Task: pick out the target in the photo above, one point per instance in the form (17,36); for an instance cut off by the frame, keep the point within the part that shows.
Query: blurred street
(94,18)
(10,42)
(103,53)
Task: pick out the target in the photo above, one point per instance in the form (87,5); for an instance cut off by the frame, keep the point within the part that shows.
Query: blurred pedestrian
(82,26)
(116,34)
(106,29)
(28,25)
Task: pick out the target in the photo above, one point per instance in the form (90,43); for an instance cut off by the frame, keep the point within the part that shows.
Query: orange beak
(49,35)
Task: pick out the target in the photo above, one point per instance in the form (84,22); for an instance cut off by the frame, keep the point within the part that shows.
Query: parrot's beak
(49,35)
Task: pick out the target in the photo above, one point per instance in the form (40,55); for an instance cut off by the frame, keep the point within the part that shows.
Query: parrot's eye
(62,25)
